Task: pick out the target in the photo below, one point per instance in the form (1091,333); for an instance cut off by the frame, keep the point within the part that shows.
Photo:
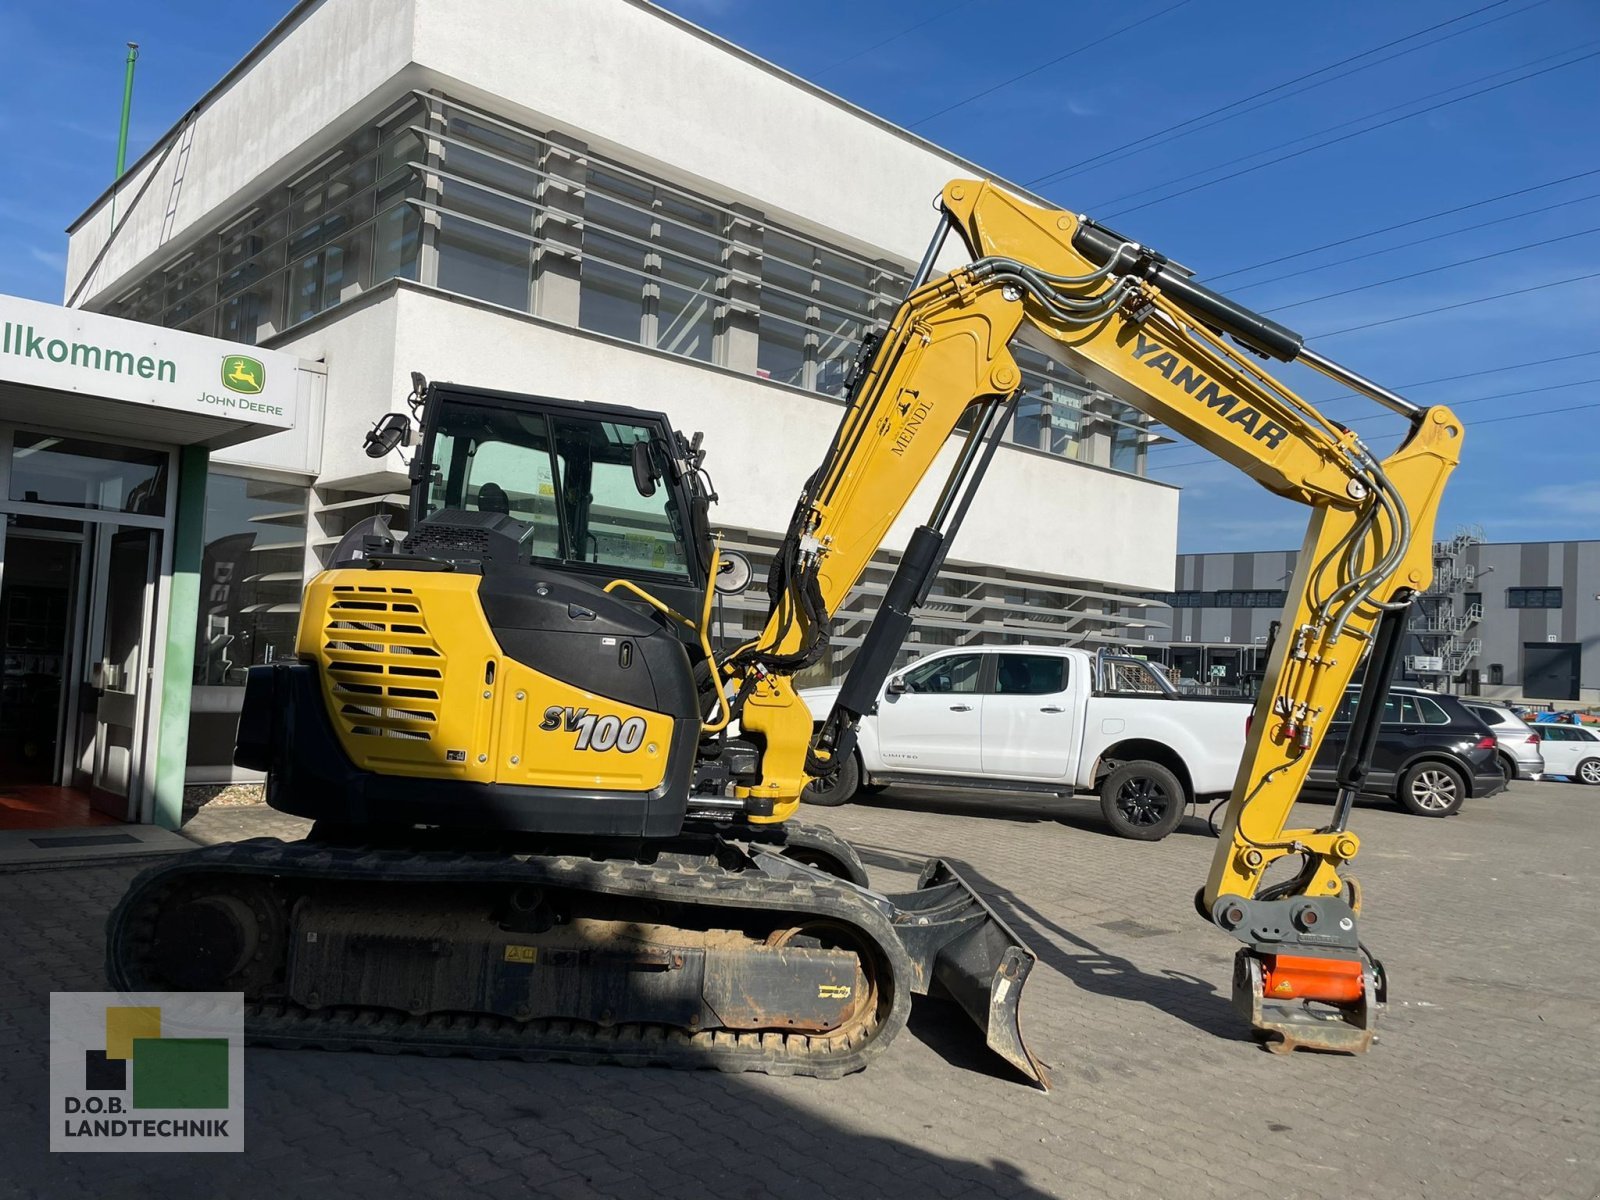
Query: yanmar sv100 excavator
(535,835)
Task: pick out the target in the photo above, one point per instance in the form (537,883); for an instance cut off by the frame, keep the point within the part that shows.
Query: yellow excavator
(552,820)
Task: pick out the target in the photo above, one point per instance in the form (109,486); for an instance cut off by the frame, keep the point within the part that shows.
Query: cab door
(1030,728)
(933,725)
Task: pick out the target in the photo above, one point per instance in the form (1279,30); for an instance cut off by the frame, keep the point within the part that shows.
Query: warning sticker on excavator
(522,954)
(833,991)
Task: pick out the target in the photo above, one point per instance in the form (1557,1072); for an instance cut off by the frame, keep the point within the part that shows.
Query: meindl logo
(243,375)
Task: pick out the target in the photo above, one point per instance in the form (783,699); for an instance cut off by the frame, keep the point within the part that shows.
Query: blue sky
(1086,122)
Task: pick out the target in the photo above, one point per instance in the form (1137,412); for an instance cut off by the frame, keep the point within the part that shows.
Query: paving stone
(1483,1081)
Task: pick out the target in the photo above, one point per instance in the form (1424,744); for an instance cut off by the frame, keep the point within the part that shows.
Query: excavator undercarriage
(739,958)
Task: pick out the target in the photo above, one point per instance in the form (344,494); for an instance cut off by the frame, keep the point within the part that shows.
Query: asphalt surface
(1485,1080)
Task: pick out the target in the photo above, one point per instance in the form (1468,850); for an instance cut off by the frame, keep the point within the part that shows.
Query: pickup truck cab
(1043,719)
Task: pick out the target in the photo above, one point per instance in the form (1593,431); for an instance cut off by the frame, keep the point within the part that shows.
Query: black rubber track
(279,1023)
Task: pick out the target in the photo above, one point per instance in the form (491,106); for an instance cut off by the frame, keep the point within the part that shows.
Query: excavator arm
(1136,324)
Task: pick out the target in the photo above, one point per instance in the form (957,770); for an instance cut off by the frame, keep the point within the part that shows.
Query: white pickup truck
(1043,719)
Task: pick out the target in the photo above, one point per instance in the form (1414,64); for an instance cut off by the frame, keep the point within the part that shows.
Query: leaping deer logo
(243,374)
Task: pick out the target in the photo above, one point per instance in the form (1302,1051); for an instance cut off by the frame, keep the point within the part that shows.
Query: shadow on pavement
(1193,1001)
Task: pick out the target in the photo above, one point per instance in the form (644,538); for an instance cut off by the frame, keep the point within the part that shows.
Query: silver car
(1516,742)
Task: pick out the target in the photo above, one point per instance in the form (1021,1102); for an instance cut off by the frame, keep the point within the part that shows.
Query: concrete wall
(1572,566)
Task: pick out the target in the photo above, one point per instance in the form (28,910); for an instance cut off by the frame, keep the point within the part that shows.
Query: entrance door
(82,524)
(37,597)
(119,674)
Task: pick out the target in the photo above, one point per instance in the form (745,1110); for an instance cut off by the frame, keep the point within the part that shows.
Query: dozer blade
(961,948)
(956,946)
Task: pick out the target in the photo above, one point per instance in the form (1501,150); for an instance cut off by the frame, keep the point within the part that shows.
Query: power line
(1138,145)
(1544,412)
(1344,138)
(1411,245)
(1428,312)
(1042,66)
(1538,362)
(1201,462)
(1361,237)
(1462,262)
(895,37)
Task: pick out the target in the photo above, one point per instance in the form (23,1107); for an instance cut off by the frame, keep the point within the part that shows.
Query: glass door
(119,664)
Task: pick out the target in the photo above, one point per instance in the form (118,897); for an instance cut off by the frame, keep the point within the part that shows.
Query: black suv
(1431,753)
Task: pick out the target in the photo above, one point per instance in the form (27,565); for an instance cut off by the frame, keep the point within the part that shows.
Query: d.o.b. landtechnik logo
(146,1071)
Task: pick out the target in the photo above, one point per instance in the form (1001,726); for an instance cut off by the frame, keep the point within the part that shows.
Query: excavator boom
(1139,326)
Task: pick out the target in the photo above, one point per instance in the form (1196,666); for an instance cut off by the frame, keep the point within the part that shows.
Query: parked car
(1043,719)
(1516,742)
(1571,750)
(1431,754)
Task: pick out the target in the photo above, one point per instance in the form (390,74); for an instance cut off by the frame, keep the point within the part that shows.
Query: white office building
(589,199)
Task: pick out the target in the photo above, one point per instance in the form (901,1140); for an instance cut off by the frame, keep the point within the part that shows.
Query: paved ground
(1485,1081)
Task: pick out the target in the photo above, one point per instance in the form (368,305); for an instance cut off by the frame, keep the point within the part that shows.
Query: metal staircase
(1443,619)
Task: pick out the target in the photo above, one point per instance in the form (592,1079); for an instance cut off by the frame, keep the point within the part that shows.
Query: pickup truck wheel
(839,788)
(1143,801)
(1432,789)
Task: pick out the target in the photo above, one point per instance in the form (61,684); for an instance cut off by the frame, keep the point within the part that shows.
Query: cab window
(1029,674)
(957,673)
(568,478)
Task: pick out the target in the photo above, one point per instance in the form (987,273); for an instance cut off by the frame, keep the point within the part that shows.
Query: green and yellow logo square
(243,374)
(168,1072)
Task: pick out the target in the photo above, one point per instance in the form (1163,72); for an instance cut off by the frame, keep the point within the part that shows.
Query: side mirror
(733,573)
(644,469)
(393,430)
(896,686)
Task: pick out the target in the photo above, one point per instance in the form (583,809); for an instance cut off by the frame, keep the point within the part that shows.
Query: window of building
(815,304)
(1256,598)
(49,469)
(1533,597)
(519,220)
(650,265)
(1177,599)
(343,226)
(1050,409)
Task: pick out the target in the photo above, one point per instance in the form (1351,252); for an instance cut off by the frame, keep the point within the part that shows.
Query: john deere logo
(243,375)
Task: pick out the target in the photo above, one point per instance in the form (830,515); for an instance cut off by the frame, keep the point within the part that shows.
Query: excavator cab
(486,672)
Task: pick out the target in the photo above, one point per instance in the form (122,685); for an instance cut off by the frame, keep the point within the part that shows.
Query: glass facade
(251,576)
(340,228)
(452,197)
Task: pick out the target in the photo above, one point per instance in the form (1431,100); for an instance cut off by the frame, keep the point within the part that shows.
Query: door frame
(141,784)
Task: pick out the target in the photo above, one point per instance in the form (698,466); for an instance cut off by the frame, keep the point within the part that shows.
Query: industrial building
(590,199)
(1517,621)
